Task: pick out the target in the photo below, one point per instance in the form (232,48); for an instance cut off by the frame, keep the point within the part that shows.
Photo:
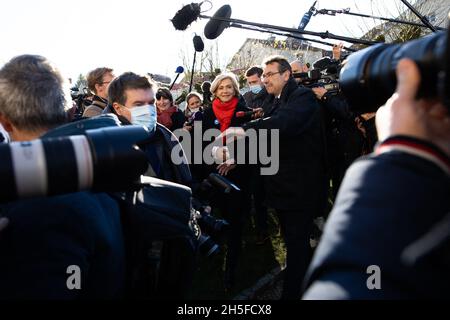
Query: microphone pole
(288,35)
(347,11)
(421,17)
(192,72)
(323,35)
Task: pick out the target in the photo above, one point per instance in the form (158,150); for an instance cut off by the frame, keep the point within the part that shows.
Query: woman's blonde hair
(215,84)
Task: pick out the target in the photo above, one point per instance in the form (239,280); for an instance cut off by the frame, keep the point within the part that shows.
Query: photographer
(297,68)
(345,141)
(49,236)
(98,83)
(400,193)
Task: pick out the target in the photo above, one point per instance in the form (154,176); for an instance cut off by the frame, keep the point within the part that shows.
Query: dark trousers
(259,196)
(296,228)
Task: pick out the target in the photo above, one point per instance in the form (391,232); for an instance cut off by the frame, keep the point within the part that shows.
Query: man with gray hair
(60,247)
(32,99)
(297,68)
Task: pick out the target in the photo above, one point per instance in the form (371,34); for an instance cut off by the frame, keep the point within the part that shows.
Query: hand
(258,113)
(187,128)
(319,92)
(3,223)
(404,115)
(226,167)
(337,49)
(222,154)
(360,126)
(233,132)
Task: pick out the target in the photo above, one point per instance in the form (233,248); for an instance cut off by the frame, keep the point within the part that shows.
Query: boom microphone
(215,27)
(198,43)
(244,114)
(306,17)
(186,15)
(179,71)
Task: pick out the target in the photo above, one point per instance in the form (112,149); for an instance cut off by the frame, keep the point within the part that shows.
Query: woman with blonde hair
(226,104)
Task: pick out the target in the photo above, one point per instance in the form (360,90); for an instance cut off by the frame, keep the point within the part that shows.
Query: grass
(255,262)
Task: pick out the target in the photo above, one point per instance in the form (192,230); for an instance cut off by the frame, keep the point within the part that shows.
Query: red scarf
(165,116)
(224,112)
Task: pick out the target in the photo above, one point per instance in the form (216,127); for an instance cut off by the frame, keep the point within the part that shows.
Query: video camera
(368,76)
(325,73)
(80,97)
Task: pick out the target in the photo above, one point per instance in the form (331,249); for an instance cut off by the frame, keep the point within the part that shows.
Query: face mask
(144,116)
(194,110)
(255,89)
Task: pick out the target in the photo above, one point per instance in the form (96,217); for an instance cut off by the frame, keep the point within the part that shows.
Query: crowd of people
(384,206)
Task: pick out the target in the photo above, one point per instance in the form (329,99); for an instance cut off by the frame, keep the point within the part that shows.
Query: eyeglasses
(105,82)
(270,74)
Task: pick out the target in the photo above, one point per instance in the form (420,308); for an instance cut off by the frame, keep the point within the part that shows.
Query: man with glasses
(298,190)
(98,82)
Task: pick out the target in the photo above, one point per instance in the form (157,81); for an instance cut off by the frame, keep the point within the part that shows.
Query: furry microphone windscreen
(185,16)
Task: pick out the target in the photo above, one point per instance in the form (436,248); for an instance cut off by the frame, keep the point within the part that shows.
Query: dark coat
(47,235)
(385,204)
(300,182)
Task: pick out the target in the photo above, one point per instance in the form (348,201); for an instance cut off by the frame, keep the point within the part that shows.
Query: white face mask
(255,89)
(194,110)
(144,116)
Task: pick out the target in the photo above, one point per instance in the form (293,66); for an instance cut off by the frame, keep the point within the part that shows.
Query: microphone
(198,43)
(179,71)
(244,114)
(214,27)
(186,15)
(307,17)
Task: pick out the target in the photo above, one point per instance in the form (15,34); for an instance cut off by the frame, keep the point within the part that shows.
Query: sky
(137,35)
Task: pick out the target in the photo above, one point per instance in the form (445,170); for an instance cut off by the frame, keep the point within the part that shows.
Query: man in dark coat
(297,190)
(388,236)
(60,247)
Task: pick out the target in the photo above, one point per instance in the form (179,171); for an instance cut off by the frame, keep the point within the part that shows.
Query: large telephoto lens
(368,77)
(102,160)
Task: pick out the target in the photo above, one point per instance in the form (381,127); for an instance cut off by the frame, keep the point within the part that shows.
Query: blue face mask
(144,116)
(255,89)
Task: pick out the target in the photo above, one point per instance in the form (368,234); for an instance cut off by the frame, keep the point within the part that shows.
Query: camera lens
(368,77)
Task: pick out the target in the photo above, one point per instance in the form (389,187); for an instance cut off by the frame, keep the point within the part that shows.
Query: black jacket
(386,204)
(300,181)
(47,235)
(178,120)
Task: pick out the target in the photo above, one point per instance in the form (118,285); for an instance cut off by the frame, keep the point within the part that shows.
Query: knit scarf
(224,112)
(165,116)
